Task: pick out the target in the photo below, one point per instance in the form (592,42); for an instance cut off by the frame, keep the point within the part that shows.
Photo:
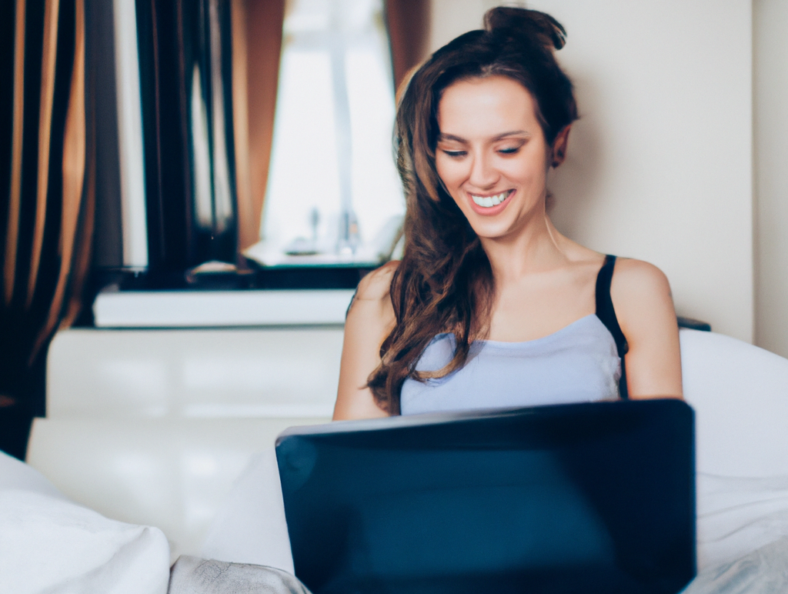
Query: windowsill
(267,297)
(220,309)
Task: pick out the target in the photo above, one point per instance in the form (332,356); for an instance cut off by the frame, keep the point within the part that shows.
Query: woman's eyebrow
(443,137)
(513,133)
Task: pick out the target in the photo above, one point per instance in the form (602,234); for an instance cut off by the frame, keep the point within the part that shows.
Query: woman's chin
(492,231)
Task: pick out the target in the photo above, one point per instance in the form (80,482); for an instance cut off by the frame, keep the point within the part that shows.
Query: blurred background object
(137,136)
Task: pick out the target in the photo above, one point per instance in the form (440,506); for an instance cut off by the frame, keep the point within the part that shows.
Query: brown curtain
(257,46)
(45,203)
(408,24)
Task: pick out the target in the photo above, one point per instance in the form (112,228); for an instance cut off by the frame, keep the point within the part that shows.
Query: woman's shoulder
(369,321)
(376,285)
(640,291)
(636,277)
(644,307)
(373,296)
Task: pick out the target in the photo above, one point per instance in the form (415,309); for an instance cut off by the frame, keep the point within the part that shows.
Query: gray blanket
(764,571)
(191,575)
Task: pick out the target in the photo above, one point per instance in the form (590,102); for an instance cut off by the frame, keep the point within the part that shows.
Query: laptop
(592,497)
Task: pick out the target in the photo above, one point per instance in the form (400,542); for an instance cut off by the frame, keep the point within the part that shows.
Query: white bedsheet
(51,545)
(251,526)
(762,571)
(737,516)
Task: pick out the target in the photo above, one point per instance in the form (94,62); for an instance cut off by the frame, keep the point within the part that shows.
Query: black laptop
(571,498)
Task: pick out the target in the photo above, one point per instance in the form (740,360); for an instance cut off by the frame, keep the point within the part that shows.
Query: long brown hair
(444,282)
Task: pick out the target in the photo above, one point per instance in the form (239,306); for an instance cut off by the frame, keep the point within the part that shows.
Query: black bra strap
(607,314)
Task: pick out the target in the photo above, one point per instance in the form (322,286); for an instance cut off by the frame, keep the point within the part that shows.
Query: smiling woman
(491,306)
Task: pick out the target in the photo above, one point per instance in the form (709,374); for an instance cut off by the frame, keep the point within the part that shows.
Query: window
(333,192)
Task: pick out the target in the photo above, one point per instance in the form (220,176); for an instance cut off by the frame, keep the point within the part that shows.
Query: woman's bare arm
(644,308)
(369,321)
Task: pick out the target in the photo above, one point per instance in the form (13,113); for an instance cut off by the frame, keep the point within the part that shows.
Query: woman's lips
(491,204)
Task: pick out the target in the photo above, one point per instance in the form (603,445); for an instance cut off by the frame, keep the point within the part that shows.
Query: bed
(739,392)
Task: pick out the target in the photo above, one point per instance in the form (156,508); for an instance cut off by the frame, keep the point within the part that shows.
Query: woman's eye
(454,153)
(509,150)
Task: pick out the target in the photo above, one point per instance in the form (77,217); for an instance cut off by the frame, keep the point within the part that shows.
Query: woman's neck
(537,246)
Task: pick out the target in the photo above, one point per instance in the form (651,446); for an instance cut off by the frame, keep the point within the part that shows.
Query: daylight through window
(333,192)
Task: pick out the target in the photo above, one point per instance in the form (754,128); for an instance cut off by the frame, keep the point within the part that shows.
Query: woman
(490,305)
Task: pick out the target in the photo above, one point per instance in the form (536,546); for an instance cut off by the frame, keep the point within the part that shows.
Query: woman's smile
(490,204)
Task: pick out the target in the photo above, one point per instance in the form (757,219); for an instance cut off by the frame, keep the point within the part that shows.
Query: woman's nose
(483,175)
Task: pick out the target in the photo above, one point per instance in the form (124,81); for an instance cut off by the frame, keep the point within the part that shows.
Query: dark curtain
(209,72)
(185,57)
(46,197)
(408,24)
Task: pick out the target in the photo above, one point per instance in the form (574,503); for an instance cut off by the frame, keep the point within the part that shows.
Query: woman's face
(492,155)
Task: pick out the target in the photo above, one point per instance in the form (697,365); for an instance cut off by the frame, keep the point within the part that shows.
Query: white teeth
(488,201)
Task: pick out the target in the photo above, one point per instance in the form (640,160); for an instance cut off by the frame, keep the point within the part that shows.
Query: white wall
(771,173)
(660,164)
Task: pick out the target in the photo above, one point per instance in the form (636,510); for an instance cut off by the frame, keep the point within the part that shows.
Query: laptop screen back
(571,498)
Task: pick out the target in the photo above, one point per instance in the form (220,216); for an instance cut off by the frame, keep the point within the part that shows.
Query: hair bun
(522,21)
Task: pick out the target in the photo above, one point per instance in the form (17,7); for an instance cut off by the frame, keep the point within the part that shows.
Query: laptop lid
(595,497)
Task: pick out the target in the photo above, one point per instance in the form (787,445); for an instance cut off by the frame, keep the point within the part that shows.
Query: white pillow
(49,544)
(740,396)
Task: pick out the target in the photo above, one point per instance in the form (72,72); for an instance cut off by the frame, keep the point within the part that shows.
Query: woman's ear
(560,145)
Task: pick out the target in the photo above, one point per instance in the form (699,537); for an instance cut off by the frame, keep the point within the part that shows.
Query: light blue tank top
(579,363)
